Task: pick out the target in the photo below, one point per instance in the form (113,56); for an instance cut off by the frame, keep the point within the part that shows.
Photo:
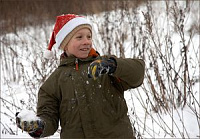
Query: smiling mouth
(84,49)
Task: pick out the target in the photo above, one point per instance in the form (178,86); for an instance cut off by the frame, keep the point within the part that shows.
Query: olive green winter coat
(88,108)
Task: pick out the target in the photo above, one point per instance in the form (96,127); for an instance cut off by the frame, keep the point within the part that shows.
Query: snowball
(27,115)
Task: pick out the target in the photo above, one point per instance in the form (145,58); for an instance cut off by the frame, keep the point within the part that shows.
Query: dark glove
(100,67)
(34,126)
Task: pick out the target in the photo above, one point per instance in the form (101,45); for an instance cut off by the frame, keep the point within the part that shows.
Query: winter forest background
(163,33)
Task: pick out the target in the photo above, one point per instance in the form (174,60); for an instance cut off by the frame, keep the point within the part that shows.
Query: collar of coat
(70,60)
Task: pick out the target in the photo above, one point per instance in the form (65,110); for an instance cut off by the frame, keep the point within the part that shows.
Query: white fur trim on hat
(68,27)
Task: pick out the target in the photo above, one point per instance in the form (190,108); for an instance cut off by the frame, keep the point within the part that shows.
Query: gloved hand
(29,122)
(100,67)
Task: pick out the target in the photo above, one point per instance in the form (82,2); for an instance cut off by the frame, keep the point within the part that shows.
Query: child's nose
(87,41)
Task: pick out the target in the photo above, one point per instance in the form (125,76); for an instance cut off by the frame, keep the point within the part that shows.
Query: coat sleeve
(48,105)
(130,72)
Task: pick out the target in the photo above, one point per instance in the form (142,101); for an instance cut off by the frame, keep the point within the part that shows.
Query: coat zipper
(76,63)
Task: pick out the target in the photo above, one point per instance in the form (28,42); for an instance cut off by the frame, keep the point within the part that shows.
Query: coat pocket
(109,111)
(68,109)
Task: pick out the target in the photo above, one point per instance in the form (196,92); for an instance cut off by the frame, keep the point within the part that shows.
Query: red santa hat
(65,27)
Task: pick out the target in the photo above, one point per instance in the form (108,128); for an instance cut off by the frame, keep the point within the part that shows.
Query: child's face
(80,44)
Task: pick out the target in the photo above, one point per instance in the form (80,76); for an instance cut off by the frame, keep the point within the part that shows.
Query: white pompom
(48,54)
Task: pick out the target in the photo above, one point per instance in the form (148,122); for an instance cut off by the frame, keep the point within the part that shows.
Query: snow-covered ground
(179,123)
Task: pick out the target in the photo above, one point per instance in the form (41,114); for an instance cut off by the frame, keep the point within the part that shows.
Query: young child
(86,92)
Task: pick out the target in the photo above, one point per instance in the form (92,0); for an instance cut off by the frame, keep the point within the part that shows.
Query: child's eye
(89,37)
(79,37)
